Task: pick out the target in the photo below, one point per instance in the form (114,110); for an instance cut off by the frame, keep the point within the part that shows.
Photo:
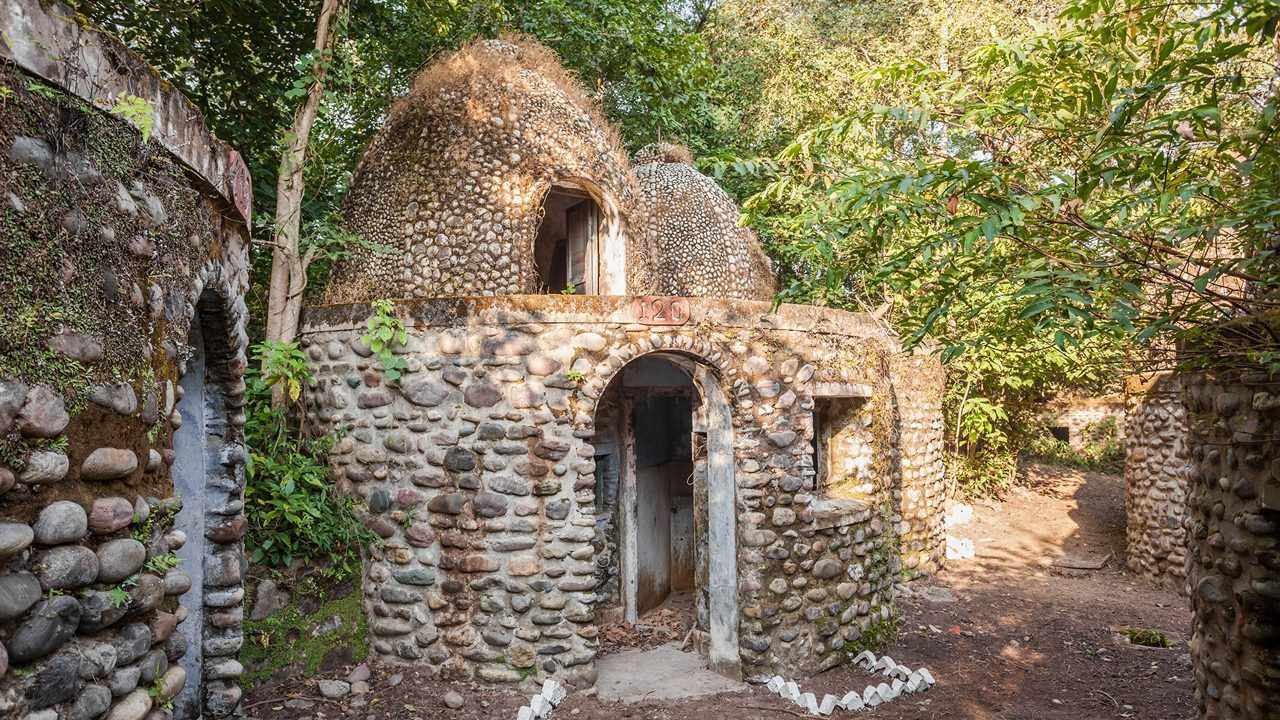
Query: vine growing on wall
(384,331)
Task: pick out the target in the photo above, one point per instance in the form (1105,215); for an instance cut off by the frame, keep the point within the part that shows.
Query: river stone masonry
(1233,520)
(477,470)
(1158,471)
(112,249)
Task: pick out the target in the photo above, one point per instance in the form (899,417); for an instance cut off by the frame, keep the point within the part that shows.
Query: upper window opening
(566,251)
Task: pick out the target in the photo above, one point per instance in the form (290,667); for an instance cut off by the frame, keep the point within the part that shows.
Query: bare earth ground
(1022,639)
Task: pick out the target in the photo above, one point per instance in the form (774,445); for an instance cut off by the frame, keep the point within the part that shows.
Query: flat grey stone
(14,538)
(49,625)
(18,592)
(118,559)
(43,415)
(44,466)
(68,567)
(109,464)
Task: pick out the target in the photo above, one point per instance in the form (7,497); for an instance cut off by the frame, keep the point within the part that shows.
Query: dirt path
(1009,635)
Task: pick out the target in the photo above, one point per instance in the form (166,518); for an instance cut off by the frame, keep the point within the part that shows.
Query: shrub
(293,513)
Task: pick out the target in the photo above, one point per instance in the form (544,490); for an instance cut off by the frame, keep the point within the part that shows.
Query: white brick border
(905,680)
(541,705)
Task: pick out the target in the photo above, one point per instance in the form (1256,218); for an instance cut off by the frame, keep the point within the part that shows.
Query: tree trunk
(288,266)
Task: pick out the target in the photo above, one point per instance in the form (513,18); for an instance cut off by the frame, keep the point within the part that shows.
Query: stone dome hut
(691,230)
(494,176)
(567,447)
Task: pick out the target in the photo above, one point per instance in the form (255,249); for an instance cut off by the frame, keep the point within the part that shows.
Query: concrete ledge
(507,310)
(58,46)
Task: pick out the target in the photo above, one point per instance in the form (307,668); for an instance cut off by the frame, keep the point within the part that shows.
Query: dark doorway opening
(566,252)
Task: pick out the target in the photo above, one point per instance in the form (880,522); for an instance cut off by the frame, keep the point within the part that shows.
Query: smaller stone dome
(692,235)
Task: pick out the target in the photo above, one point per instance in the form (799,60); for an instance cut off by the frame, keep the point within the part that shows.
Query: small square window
(843,447)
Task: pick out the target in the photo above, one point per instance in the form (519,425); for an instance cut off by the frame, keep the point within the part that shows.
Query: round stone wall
(1157,472)
(110,248)
(454,181)
(691,228)
(1233,516)
(477,468)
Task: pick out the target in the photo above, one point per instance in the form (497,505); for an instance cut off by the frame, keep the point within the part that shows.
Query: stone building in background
(123,268)
(1079,421)
(599,411)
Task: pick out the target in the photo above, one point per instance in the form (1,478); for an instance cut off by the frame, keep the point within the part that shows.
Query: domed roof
(691,229)
(456,180)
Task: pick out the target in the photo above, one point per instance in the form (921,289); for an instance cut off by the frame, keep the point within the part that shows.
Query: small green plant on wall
(137,111)
(384,331)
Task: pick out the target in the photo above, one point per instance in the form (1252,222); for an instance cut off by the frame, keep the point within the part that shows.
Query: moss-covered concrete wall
(110,248)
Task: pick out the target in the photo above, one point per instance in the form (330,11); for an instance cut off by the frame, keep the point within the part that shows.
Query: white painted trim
(627,510)
(722,534)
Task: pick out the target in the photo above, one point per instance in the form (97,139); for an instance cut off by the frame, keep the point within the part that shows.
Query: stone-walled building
(1079,421)
(1157,474)
(565,447)
(123,268)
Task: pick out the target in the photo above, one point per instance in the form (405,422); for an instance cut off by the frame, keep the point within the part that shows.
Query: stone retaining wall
(108,245)
(1157,473)
(477,468)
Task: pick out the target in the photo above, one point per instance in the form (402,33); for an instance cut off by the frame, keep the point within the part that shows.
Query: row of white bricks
(541,705)
(904,679)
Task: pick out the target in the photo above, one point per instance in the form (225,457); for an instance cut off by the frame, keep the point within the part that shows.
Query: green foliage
(575,376)
(162,564)
(1102,449)
(385,331)
(120,594)
(1106,177)
(284,364)
(1144,637)
(293,515)
(874,637)
(137,111)
(570,288)
(44,91)
(983,474)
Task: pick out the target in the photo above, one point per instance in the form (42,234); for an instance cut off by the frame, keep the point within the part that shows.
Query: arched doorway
(666,509)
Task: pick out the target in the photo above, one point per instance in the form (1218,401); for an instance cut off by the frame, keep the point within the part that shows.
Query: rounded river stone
(61,522)
(118,559)
(51,624)
(68,567)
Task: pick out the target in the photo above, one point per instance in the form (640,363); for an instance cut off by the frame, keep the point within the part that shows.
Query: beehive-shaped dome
(692,233)
(495,175)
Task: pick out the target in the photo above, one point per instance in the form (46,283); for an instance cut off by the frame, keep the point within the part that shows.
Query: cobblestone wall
(921,493)
(477,468)
(1233,517)
(108,244)
(455,179)
(1157,472)
(691,228)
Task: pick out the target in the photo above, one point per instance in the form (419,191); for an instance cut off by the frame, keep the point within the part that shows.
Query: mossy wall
(110,248)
